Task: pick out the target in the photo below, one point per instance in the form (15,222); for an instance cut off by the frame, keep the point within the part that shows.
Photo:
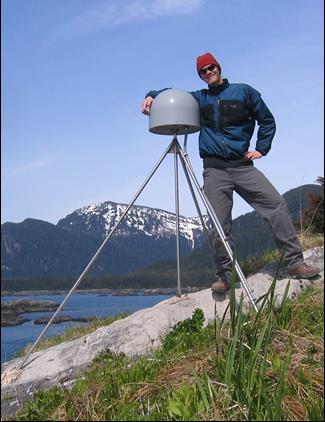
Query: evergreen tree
(313,219)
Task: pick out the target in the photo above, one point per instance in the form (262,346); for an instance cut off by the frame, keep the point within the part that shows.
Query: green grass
(257,366)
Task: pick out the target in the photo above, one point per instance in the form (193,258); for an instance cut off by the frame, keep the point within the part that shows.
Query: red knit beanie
(206,59)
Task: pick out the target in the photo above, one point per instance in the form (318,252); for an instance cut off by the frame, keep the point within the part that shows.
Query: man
(229,112)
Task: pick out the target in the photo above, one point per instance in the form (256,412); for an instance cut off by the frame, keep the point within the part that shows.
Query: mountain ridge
(36,248)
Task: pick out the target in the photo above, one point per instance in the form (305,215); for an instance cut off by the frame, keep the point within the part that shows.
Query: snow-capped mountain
(99,219)
(35,248)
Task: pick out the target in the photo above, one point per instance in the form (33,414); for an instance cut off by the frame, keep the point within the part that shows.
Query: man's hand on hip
(252,155)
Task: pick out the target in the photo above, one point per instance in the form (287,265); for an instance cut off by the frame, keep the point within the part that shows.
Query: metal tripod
(175,148)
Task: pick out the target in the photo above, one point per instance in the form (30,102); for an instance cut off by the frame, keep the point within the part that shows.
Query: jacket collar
(217,89)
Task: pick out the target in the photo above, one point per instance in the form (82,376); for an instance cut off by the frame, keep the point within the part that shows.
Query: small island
(11,310)
(10,319)
(63,318)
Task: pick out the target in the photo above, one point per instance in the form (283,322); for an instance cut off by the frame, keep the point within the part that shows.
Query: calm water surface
(79,304)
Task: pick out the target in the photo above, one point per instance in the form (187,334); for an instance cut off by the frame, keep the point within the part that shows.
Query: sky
(75,72)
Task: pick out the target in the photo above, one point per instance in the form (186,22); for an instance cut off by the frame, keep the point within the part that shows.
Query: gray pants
(254,188)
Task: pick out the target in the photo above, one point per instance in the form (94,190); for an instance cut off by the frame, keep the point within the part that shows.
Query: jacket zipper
(222,139)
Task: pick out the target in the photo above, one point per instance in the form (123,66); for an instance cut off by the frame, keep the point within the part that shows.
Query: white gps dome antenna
(174,112)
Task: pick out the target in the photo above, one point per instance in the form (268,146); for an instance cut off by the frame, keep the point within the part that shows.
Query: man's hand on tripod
(146,105)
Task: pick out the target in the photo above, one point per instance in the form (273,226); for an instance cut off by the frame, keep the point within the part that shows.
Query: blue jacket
(228,115)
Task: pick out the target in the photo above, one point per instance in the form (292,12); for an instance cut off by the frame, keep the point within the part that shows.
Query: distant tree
(313,218)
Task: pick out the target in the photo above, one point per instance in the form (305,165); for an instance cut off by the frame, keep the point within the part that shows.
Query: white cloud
(118,12)
(34,165)
(24,169)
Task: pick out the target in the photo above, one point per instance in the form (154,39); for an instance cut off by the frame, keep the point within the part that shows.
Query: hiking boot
(220,286)
(303,271)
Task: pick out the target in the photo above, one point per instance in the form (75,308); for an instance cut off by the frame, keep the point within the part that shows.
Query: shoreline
(113,292)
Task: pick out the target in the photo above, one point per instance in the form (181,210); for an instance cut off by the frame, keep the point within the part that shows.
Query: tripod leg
(85,271)
(179,292)
(217,226)
(197,207)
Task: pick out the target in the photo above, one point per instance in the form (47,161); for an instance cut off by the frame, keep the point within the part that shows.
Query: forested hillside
(251,234)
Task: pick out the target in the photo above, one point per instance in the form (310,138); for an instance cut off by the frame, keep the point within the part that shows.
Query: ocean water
(80,304)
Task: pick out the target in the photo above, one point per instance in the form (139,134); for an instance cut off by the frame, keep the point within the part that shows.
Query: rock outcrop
(136,335)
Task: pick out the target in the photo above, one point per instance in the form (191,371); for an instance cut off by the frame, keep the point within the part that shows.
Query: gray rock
(138,334)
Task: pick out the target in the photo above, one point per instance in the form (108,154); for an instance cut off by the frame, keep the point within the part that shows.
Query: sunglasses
(210,68)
